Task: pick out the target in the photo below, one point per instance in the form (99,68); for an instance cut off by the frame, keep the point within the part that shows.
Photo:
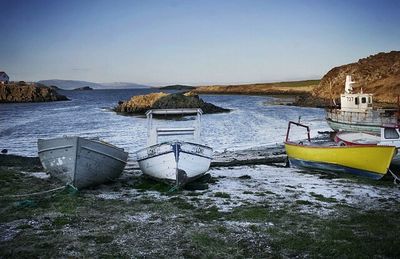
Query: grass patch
(59,222)
(208,214)
(303,202)
(250,214)
(222,195)
(146,184)
(181,203)
(207,246)
(322,198)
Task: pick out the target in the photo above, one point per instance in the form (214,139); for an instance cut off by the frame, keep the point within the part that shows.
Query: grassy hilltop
(286,88)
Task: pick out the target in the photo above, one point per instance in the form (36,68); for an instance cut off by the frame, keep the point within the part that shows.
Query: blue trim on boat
(176,147)
(319,166)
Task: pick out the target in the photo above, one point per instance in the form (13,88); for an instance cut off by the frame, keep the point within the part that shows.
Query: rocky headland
(28,92)
(377,74)
(142,103)
(85,88)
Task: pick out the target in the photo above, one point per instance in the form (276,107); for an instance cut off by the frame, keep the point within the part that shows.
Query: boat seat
(175,131)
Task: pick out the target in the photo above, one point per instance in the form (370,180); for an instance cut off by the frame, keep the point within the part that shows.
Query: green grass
(222,195)
(66,223)
(303,202)
(322,198)
(299,83)
(208,214)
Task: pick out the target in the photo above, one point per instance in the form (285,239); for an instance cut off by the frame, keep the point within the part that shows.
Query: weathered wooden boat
(81,162)
(177,162)
(371,161)
(390,136)
(357,113)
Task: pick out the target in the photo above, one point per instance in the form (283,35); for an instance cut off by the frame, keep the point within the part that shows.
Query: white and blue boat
(176,161)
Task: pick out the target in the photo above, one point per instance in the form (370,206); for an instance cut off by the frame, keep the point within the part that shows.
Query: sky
(191,42)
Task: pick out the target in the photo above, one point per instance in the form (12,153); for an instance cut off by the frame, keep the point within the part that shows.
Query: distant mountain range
(73,84)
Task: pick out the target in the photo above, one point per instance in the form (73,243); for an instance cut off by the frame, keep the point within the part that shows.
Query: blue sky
(191,42)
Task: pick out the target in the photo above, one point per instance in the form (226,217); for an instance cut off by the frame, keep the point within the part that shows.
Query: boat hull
(368,121)
(175,162)
(346,126)
(369,161)
(81,162)
(360,139)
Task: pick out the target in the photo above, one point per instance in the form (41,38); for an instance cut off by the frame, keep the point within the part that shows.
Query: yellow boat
(369,160)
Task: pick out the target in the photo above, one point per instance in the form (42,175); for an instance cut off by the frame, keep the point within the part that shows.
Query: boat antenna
(330,91)
(398,110)
(348,89)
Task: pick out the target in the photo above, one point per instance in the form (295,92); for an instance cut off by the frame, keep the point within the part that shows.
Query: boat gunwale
(173,142)
(335,146)
(170,143)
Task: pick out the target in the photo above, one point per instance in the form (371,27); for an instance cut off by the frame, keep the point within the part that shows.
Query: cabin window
(369,100)
(363,100)
(356,99)
(391,133)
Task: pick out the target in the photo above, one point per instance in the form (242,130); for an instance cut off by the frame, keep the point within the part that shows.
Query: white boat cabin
(154,133)
(352,102)
(390,136)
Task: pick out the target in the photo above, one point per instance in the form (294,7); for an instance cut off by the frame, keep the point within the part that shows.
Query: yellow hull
(372,161)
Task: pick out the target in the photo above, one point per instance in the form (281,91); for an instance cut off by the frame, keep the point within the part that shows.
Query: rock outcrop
(377,74)
(142,103)
(85,88)
(23,92)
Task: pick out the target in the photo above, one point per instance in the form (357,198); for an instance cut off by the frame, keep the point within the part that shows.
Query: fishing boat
(371,161)
(176,161)
(81,162)
(390,136)
(357,113)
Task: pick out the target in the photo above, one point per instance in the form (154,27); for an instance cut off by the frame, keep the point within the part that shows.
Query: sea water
(253,121)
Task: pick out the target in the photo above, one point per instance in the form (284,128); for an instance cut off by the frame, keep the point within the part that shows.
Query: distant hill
(73,84)
(177,87)
(377,74)
(280,88)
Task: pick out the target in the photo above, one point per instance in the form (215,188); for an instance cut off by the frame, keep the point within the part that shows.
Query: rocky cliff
(23,92)
(142,103)
(377,74)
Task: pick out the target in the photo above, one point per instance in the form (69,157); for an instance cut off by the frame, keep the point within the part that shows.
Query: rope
(173,189)
(396,179)
(32,194)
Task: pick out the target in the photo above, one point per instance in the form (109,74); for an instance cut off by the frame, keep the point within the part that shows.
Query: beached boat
(177,162)
(357,113)
(81,162)
(390,136)
(367,160)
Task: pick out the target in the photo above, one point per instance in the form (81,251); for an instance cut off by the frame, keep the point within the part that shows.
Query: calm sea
(254,121)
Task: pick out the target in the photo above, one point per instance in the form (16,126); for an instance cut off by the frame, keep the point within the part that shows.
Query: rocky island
(28,92)
(142,103)
(84,88)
